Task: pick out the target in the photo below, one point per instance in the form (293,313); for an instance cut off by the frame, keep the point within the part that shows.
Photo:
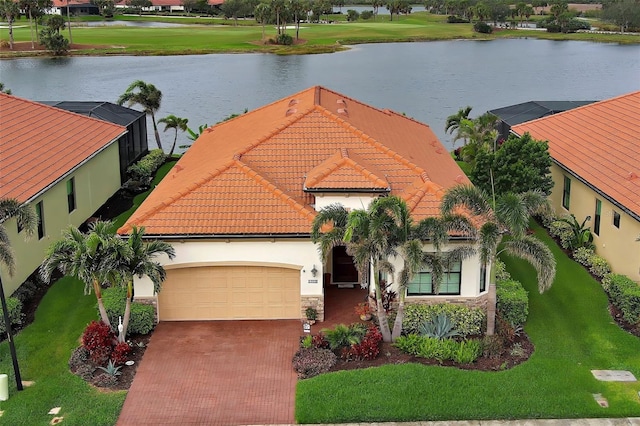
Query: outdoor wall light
(314,271)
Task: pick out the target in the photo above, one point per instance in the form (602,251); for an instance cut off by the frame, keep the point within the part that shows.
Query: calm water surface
(427,81)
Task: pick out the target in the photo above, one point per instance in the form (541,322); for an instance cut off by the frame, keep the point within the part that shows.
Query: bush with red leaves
(368,348)
(97,335)
(120,353)
(320,342)
(100,356)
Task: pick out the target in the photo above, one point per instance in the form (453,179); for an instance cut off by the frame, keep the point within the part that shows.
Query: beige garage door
(230,292)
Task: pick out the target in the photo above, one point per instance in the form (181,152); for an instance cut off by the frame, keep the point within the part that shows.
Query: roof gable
(599,143)
(315,139)
(40,144)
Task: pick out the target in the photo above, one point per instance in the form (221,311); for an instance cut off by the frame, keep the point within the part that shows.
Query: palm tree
(27,220)
(137,260)
(29,5)
(261,13)
(10,11)
(176,123)
(147,96)
(92,258)
(69,24)
(504,215)
(453,121)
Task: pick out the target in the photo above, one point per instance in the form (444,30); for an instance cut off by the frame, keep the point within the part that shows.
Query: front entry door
(344,270)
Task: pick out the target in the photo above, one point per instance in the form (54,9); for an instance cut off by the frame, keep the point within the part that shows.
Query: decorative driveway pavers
(215,373)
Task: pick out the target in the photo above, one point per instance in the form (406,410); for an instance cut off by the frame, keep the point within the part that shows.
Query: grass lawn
(572,332)
(44,348)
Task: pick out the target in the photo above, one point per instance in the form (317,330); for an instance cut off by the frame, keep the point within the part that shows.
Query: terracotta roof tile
(39,144)
(598,142)
(248,175)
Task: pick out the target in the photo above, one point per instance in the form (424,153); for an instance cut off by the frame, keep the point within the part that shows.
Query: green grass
(43,351)
(572,332)
(223,37)
(44,348)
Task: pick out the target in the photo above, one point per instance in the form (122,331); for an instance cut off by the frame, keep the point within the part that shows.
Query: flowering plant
(362,309)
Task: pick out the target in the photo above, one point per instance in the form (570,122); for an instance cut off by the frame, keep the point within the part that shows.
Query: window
(71,194)
(566,193)
(483,277)
(596,221)
(40,214)
(616,219)
(421,283)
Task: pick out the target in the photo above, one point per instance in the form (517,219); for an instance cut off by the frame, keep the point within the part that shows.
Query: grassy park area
(220,36)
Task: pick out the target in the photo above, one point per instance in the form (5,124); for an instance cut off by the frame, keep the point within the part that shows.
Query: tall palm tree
(28,6)
(176,123)
(148,97)
(453,121)
(10,11)
(137,260)
(27,220)
(504,215)
(262,13)
(92,258)
(69,24)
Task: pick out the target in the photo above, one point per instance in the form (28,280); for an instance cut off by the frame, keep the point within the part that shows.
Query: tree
(231,9)
(92,258)
(51,38)
(106,7)
(148,97)
(504,215)
(519,165)
(482,12)
(298,9)
(478,134)
(453,121)
(69,23)
(188,5)
(558,7)
(520,10)
(176,123)
(28,6)
(376,4)
(138,5)
(138,260)
(3,90)
(624,13)
(261,13)
(9,11)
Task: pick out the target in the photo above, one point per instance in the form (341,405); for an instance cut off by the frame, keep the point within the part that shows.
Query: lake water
(427,81)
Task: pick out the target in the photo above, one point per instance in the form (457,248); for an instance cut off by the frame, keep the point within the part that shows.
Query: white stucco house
(239,205)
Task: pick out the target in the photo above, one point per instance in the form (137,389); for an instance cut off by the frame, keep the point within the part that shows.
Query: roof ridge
(300,208)
(428,187)
(366,173)
(181,194)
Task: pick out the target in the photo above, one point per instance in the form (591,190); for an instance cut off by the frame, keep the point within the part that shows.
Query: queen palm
(504,215)
(147,96)
(176,123)
(91,258)
(138,260)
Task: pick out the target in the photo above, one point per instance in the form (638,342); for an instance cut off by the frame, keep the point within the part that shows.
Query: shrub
(144,169)
(583,255)
(319,342)
(456,20)
(142,318)
(563,232)
(100,356)
(97,335)
(306,342)
(501,271)
(577,24)
(441,350)
(343,336)
(120,353)
(366,14)
(284,39)
(466,321)
(467,352)
(493,346)
(368,348)
(409,344)
(512,302)
(439,327)
(505,330)
(79,357)
(85,371)
(352,15)
(625,295)
(26,291)
(482,27)
(311,362)
(599,266)
(105,380)
(14,306)
(517,350)
(606,281)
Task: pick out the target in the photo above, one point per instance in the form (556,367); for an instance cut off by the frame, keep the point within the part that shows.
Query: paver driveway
(215,373)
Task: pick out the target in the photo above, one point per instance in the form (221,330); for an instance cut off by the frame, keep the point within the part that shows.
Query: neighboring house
(515,114)
(133,145)
(596,172)
(239,205)
(164,5)
(65,165)
(76,7)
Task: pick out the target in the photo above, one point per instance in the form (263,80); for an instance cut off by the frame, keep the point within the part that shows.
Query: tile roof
(247,176)
(600,143)
(40,144)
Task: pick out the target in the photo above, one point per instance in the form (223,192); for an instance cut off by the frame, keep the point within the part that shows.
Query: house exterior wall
(350,201)
(95,181)
(617,245)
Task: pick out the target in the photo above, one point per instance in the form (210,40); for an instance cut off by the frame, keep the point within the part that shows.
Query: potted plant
(312,314)
(364,311)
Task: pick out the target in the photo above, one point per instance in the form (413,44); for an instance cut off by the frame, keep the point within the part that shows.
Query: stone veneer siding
(316,302)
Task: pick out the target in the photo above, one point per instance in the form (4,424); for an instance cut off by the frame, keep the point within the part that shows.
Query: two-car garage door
(230,292)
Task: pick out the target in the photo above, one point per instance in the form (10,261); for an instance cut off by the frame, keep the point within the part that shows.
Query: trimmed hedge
(625,295)
(466,321)
(142,319)
(15,313)
(512,302)
(144,169)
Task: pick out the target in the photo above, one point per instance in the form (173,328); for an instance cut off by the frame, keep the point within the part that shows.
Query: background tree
(137,5)
(261,13)
(298,9)
(40,12)
(558,7)
(504,215)
(624,13)
(231,9)
(51,37)
(3,90)
(27,6)
(9,12)
(176,123)
(188,5)
(106,7)
(148,97)
(92,258)
(519,165)
(453,121)
(376,4)
(69,23)
(137,259)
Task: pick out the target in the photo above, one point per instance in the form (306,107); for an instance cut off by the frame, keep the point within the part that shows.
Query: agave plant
(440,327)
(111,369)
